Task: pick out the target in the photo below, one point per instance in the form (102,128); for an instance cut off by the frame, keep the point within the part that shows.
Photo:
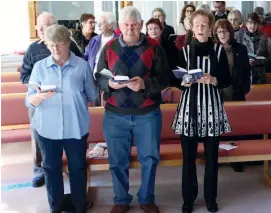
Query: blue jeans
(119,130)
(51,151)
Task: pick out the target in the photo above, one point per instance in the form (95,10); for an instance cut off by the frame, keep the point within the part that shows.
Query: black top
(168,30)
(241,72)
(200,111)
(224,16)
(81,39)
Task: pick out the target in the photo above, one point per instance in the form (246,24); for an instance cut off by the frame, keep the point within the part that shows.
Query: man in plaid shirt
(132,110)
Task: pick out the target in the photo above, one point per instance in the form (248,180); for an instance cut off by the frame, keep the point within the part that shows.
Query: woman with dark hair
(258,47)
(223,33)
(154,30)
(237,55)
(200,115)
(184,24)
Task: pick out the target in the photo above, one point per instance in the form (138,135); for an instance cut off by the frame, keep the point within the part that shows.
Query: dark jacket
(172,55)
(168,30)
(241,72)
(81,40)
(36,52)
(260,45)
(224,16)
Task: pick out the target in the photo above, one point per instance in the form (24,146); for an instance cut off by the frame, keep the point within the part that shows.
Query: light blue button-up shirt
(64,115)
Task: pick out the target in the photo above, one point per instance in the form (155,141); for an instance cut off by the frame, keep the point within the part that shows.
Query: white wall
(146,8)
(66,10)
(15,26)
(265,4)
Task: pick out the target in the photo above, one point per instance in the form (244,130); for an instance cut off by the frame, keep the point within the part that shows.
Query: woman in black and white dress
(200,114)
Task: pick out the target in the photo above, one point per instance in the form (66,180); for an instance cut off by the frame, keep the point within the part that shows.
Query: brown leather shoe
(150,208)
(117,208)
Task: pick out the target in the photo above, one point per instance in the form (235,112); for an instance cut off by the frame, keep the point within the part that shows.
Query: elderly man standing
(132,110)
(36,52)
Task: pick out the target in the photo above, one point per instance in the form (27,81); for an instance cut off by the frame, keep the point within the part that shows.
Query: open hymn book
(117,78)
(195,73)
(42,88)
(253,56)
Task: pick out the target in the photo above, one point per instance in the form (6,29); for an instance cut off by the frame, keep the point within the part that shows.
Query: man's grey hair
(129,11)
(57,34)
(236,13)
(46,15)
(204,7)
(111,18)
(159,9)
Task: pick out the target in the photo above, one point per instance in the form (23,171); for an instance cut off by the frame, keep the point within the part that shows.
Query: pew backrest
(13,109)
(268,78)
(10,77)
(259,92)
(13,87)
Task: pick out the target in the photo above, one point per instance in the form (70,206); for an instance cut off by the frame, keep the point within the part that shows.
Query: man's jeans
(38,171)
(119,131)
(75,150)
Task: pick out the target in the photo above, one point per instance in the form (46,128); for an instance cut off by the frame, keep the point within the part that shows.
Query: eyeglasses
(57,46)
(189,11)
(220,32)
(252,22)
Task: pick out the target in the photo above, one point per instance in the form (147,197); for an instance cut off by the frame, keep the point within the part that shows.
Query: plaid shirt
(147,60)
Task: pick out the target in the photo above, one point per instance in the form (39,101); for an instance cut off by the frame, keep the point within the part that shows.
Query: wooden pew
(246,118)
(259,92)
(242,121)
(268,78)
(13,87)
(14,118)
(10,77)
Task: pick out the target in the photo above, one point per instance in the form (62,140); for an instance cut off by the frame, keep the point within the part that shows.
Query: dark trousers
(75,150)
(38,172)
(189,175)
(119,131)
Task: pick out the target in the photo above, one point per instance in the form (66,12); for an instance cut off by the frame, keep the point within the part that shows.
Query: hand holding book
(188,76)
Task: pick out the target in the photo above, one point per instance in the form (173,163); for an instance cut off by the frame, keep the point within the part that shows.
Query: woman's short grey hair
(236,13)
(57,34)
(204,7)
(49,16)
(129,11)
(111,18)
(159,9)
(259,11)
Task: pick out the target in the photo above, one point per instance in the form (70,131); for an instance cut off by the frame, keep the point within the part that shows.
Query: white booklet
(117,78)
(253,56)
(227,146)
(42,88)
(180,72)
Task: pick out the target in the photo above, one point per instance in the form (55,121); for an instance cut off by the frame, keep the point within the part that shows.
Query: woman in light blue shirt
(61,117)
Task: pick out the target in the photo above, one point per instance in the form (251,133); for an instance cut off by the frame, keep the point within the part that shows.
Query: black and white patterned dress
(201,111)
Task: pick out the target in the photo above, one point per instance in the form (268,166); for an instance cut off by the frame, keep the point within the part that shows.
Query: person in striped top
(200,115)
